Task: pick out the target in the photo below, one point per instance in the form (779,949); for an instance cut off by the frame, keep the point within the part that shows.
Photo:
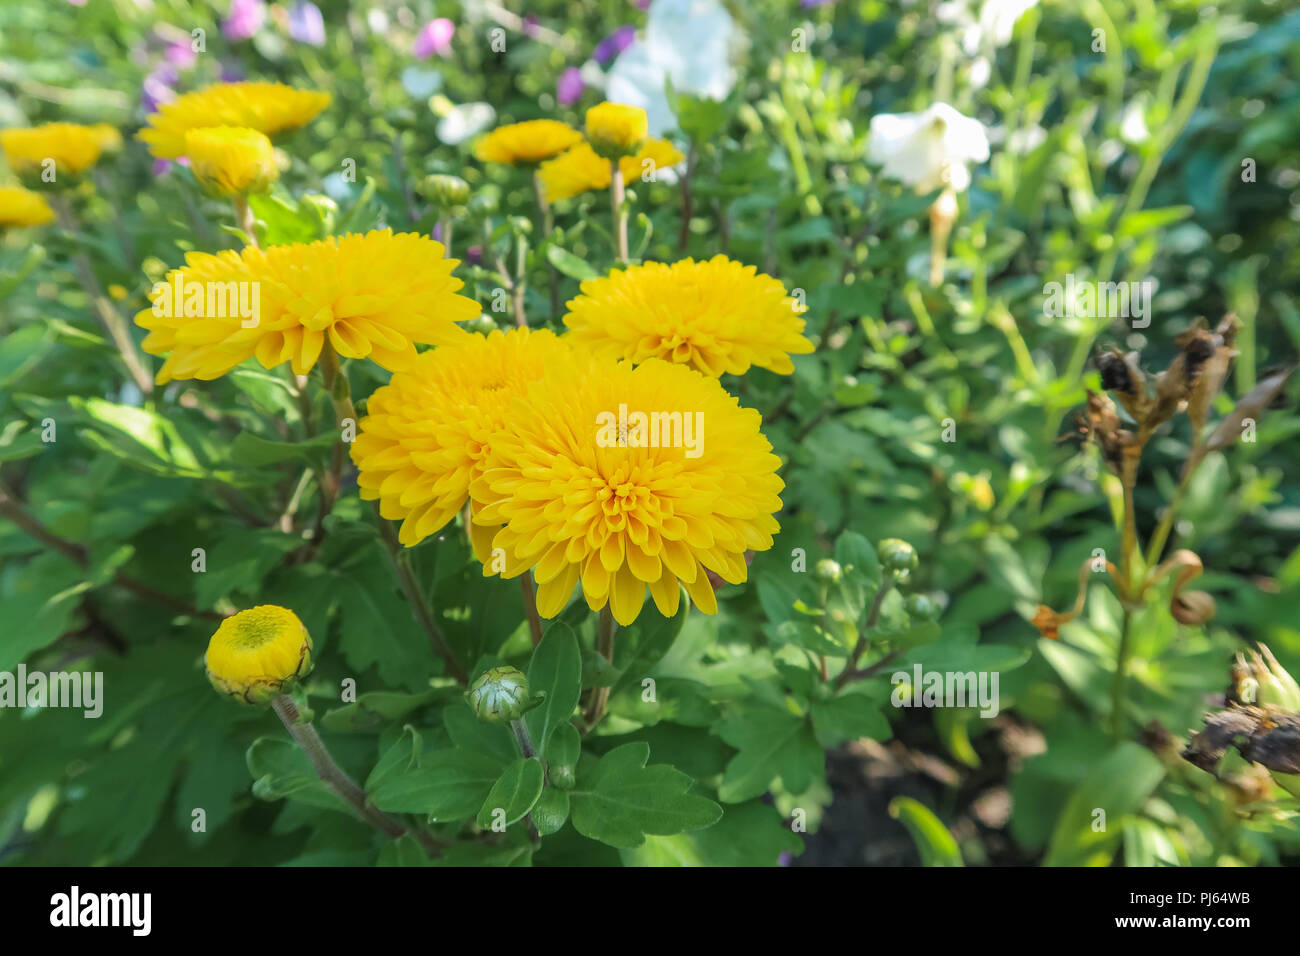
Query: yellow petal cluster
(524,143)
(72,147)
(427,432)
(231,160)
(616,130)
(615,513)
(716,316)
(374,296)
(22,207)
(258,653)
(580,170)
(266,107)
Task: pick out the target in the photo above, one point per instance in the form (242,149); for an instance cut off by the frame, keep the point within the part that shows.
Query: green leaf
(850,715)
(513,794)
(556,670)
(619,799)
(401,758)
(652,636)
(449,785)
(252,451)
(378,628)
(857,555)
(281,770)
(551,811)
(467,732)
(771,743)
(565,746)
(374,711)
(571,265)
(937,846)
(1148,220)
(1117,786)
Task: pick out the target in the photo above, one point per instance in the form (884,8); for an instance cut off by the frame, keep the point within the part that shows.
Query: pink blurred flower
(434,38)
(569,89)
(245,19)
(180,55)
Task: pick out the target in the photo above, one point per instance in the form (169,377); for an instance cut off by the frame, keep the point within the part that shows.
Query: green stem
(617,206)
(337,779)
(1121,668)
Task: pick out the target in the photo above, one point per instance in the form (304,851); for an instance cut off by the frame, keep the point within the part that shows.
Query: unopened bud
(828,570)
(897,555)
(921,606)
(1192,607)
(445,192)
(501,695)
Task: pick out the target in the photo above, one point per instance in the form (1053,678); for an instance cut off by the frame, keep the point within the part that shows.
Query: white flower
(928,150)
(687,42)
(1133,124)
(997,21)
(465,122)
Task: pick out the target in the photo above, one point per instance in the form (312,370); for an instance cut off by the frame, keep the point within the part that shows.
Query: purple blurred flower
(437,231)
(77,3)
(530,26)
(161,166)
(434,38)
(159,87)
(231,73)
(569,90)
(306,25)
(474,255)
(614,44)
(245,19)
(785,858)
(806,4)
(641,4)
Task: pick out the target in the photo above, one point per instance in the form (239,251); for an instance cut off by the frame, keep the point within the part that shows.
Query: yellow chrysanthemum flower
(428,430)
(266,107)
(110,139)
(231,160)
(580,170)
(73,148)
(525,143)
(616,130)
(258,653)
(375,295)
(22,207)
(622,477)
(716,316)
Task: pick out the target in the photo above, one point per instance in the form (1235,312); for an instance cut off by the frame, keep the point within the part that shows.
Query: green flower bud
(482,323)
(562,777)
(500,695)
(896,555)
(828,570)
(921,606)
(445,192)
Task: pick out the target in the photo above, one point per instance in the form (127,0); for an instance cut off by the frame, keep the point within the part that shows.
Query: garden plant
(682,432)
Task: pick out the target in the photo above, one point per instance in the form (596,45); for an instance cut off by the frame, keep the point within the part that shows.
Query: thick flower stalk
(580,170)
(716,316)
(428,432)
(269,108)
(622,478)
(372,296)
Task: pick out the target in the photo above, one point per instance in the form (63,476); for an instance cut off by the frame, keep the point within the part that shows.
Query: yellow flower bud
(231,160)
(258,653)
(616,130)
